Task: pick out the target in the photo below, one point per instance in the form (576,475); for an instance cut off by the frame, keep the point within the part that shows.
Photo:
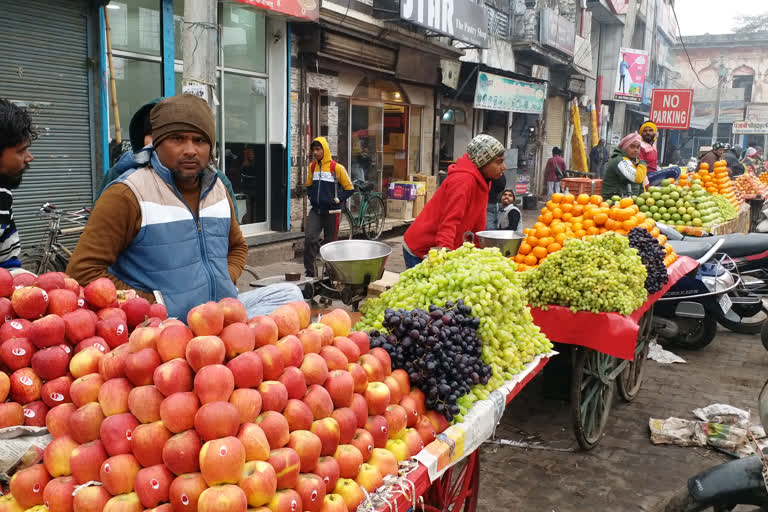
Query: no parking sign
(671,108)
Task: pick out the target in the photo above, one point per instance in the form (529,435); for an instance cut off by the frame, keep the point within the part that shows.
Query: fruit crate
(578,186)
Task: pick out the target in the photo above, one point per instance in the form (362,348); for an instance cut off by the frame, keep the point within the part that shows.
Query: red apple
(303,311)
(271,361)
(395,395)
(100,293)
(143,337)
(110,312)
(222,461)
(217,419)
(118,473)
(425,429)
(350,492)
(411,410)
(114,330)
(362,340)
(144,403)
(136,311)
(6,283)
(275,427)
(347,346)
(57,419)
(127,502)
(79,325)
(113,396)
(51,281)
(171,321)
(84,424)
(360,406)
(377,396)
(311,341)
(363,441)
(340,386)
(298,414)
(90,499)
(315,369)
(147,443)
(307,445)
(359,376)
(185,491)
(274,395)
(404,381)
(153,485)
(294,382)
(57,455)
(247,370)
(384,358)
(339,321)
(16,328)
(372,367)
(369,478)
(328,469)
(172,342)
(93,341)
(116,433)
(86,461)
(30,302)
(291,350)
(384,461)
(238,339)
(334,358)
(287,321)
(61,302)
(327,430)
(347,421)
(325,332)
(248,403)
(265,330)
(174,376)
(205,350)
(349,458)
(56,392)
(5,386)
(333,503)
(84,362)
(206,319)
(379,429)
(286,463)
(438,421)
(28,484)
(6,310)
(311,488)
(233,310)
(259,482)
(140,366)
(178,411)
(214,383)
(47,331)
(413,441)
(112,365)
(181,453)
(254,441)
(286,500)
(17,353)
(25,386)
(319,402)
(158,311)
(397,420)
(34,414)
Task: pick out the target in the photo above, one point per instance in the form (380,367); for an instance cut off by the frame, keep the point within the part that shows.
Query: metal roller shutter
(44,65)
(553,122)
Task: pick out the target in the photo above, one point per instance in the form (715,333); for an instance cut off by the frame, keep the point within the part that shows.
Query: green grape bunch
(601,274)
(488,283)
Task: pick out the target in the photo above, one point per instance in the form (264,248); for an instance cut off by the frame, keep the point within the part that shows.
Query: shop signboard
(304,9)
(462,20)
(750,128)
(630,75)
(671,108)
(757,112)
(495,92)
(557,31)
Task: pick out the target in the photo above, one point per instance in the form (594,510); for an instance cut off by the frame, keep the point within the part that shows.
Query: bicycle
(369,218)
(52,255)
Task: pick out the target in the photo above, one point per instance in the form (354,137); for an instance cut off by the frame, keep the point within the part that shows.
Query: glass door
(366,142)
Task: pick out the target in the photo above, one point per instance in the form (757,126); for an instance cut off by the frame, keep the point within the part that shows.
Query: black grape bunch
(652,254)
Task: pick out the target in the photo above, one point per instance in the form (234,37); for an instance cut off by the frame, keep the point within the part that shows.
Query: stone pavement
(625,472)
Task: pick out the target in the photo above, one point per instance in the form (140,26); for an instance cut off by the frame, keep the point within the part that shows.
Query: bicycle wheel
(631,378)
(33,262)
(346,228)
(373,218)
(592,392)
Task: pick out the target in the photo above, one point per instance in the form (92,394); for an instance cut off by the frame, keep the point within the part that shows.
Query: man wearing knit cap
(459,205)
(175,236)
(648,152)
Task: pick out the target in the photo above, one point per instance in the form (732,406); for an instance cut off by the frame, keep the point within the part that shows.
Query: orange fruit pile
(566,216)
(716,181)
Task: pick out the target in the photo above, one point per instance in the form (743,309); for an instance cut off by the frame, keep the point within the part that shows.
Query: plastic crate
(578,186)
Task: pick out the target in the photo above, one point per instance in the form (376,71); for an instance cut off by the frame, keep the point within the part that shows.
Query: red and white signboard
(671,108)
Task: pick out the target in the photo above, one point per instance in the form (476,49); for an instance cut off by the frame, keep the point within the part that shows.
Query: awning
(582,57)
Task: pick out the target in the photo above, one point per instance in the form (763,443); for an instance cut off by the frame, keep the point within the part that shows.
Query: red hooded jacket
(459,205)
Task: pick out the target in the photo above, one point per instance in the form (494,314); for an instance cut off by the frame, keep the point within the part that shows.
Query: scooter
(724,487)
(687,314)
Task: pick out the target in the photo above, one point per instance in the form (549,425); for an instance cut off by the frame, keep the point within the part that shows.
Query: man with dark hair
(509,215)
(16,135)
(553,171)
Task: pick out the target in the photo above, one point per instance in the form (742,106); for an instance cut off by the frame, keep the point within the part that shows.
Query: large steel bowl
(356,261)
(507,241)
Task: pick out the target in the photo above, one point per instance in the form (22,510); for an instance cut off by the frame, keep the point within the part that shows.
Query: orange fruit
(566,207)
(655,232)
(592,230)
(588,223)
(532,240)
(603,230)
(581,233)
(542,231)
(538,225)
(601,218)
(551,205)
(560,238)
(554,247)
(568,198)
(578,209)
(622,232)
(596,199)
(539,252)
(557,198)
(662,239)
(567,217)
(703,166)
(547,218)
(582,199)
(557,213)
(523,250)
(625,202)
(557,228)
(519,258)
(543,242)
(629,224)
(531,260)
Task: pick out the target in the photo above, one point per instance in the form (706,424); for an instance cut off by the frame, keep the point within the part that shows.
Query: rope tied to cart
(392,487)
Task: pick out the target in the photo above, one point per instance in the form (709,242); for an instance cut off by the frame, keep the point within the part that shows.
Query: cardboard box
(418,205)
(407,190)
(429,181)
(399,209)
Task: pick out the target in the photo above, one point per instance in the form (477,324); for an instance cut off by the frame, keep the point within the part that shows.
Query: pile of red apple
(223,414)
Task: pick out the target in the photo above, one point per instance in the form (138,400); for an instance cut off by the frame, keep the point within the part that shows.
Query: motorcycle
(724,487)
(747,256)
(688,313)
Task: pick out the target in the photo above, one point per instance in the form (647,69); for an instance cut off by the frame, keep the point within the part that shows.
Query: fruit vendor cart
(608,354)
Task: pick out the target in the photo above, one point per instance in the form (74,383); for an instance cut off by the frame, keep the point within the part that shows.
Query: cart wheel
(631,378)
(591,394)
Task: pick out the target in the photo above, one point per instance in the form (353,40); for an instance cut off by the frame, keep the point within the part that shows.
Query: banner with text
(630,75)
(495,92)
(671,108)
(463,20)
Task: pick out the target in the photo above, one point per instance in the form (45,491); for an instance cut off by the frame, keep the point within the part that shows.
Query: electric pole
(721,74)
(199,48)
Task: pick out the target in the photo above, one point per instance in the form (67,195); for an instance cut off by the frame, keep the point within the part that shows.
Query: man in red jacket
(459,205)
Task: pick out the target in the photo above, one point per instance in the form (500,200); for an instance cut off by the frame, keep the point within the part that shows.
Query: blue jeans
(263,301)
(492,217)
(410,260)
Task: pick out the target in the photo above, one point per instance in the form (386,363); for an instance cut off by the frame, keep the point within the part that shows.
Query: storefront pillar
(166,23)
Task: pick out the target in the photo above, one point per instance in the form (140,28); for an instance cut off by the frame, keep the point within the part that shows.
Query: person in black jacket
(494,195)
(731,158)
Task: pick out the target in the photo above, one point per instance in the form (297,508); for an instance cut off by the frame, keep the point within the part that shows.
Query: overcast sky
(714,16)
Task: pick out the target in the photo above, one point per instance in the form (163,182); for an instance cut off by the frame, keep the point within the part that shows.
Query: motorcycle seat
(692,249)
(740,245)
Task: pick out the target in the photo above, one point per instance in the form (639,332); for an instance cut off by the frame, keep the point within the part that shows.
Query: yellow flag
(595,135)
(578,155)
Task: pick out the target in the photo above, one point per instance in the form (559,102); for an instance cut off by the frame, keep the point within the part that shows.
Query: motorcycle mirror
(762,405)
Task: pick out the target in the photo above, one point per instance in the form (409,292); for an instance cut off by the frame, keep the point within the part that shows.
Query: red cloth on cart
(609,333)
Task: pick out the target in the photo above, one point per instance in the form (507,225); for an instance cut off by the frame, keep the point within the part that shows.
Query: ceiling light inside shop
(113,6)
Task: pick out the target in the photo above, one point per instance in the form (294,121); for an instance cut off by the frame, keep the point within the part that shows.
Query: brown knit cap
(183,113)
